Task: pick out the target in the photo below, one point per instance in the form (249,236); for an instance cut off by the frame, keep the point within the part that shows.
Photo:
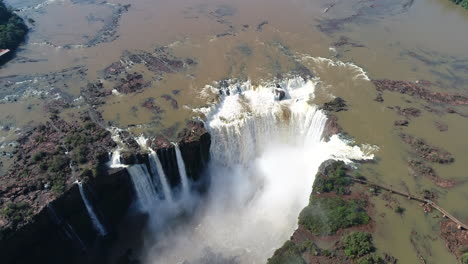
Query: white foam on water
(264,157)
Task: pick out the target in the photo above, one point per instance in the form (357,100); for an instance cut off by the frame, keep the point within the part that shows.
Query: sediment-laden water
(255,72)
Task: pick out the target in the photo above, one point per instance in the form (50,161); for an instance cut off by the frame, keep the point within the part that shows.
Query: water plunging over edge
(182,172)
(157,169)
(89,207)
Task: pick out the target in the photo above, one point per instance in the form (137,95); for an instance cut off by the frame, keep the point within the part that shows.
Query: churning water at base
(89,207)
(264,157)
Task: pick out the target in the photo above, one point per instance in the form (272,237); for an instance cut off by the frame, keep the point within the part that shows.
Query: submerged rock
(336,105)
(418,90)
(419,168)
(426,151)
(401,123)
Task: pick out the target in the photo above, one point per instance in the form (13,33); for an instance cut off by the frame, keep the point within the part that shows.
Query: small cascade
(94,219)
(115,160)
(66,227)
(157,169)
(144,187)
(182,172)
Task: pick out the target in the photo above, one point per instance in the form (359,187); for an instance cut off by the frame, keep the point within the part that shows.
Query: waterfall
(182,172)
(144,187)
(115,160)
(265,153)
(94,219)
(66,227)
(157,169)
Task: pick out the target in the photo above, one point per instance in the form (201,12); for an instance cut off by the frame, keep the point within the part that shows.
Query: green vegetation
(464,254)
(16,213)
(334,179)
(38,156)
(400,210)
(289,253)
(58,163)
(371,259)
(12,28)
(462,3)
(58,183)
(358,244)
(80,154)
(464,258)
(325,216)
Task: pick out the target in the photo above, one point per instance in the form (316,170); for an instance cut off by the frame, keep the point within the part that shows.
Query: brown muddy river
(344,44)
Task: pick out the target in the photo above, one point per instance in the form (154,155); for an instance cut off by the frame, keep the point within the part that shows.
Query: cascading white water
(89,207)
(144,187)
(264,157)
(157,169)
(115,160)
(141,179)
(182,172)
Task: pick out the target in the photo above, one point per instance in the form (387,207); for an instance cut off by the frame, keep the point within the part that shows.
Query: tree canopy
(12,28)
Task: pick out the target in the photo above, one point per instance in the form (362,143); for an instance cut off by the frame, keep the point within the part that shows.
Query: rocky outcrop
(63,226)
(336,105)
(426,151)
(419,90)
(418,168)
(194,143)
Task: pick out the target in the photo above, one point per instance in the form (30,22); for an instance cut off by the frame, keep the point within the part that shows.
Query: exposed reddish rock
(418,90)
(331,127)
(160,142)
(192,132)
(132,83)
(426,151)
(455,239)
(115,68)
(150,104)
(94,93)
(418,168)
(48,161)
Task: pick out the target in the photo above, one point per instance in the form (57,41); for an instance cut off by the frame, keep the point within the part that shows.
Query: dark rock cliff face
(194,143)
(63,230)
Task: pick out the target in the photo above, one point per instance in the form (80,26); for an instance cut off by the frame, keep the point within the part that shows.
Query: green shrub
(289,253)
(325,216)
(464,258)
(58,163)
(80,155)
(358,244)
(371,259)
(334,179)
(17,213)
(400,210)
(462,3)
(12,28)
(58,184)
(38,156)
